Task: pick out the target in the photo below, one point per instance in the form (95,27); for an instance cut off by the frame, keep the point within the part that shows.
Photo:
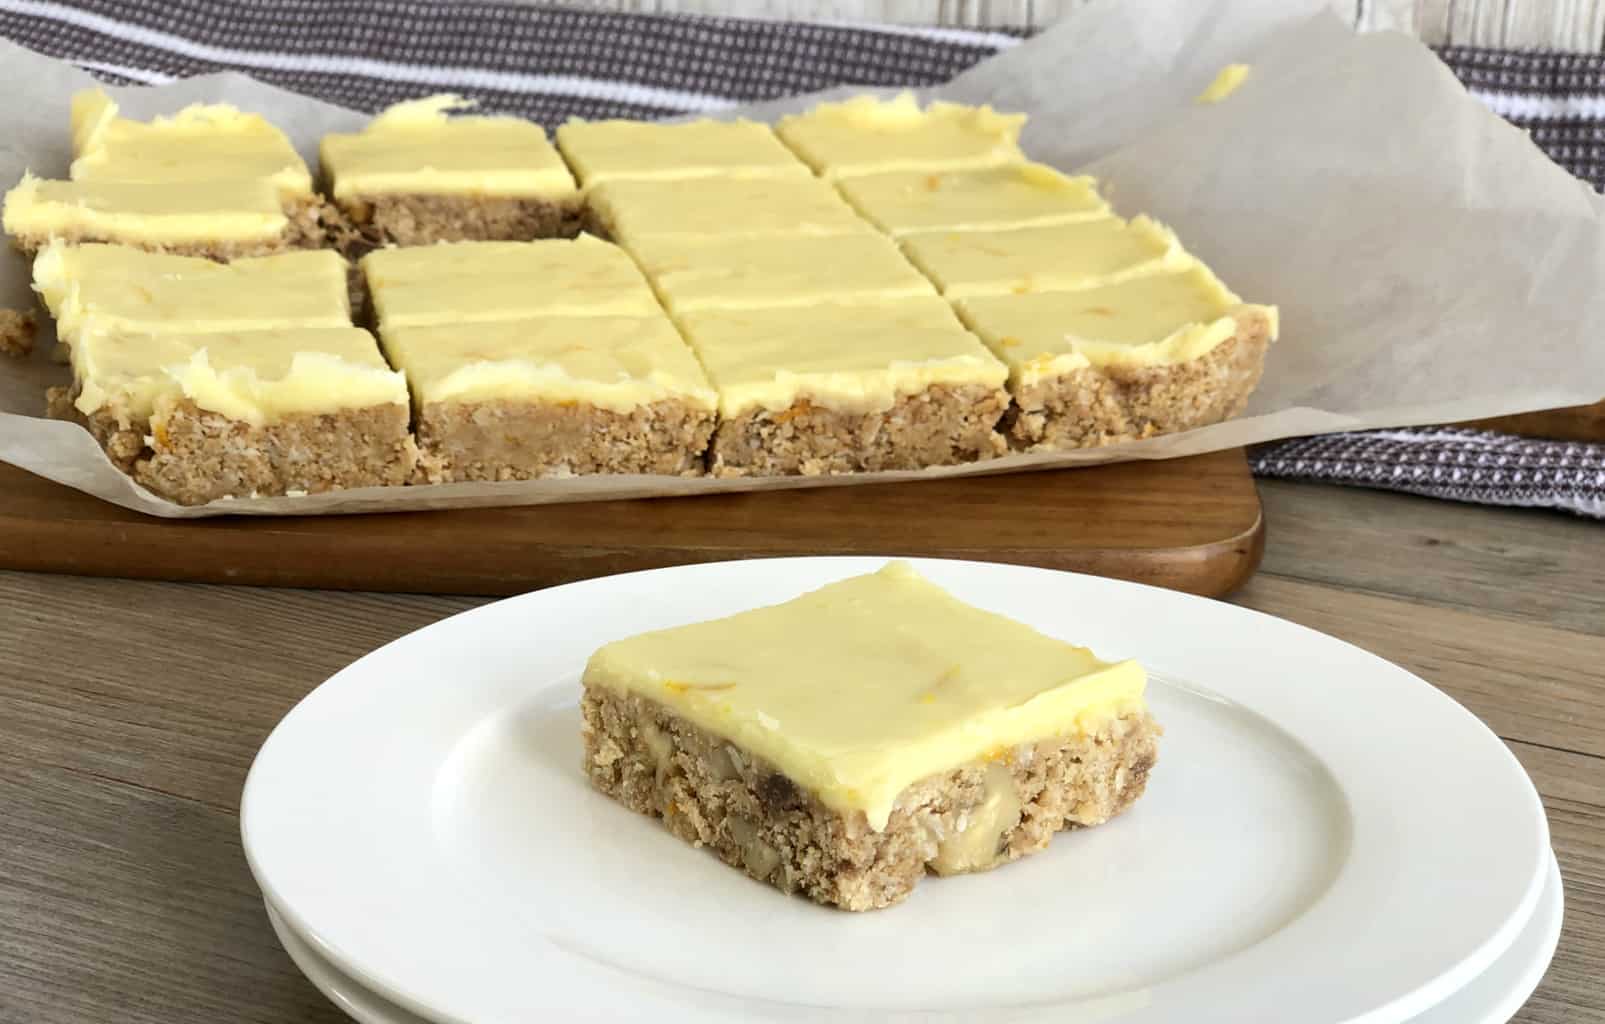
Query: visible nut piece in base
(978,816)
(943,425)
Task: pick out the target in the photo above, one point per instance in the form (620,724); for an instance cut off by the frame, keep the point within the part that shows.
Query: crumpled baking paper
(1430,263)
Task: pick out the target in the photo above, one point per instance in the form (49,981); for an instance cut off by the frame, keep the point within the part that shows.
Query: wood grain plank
(1516,564)
(125,905)
(1534,683)
(176,686)
(1573,423)
(1573,788)
(1117,520)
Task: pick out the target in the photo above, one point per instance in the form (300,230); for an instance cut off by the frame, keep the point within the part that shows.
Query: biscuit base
(191,456)
(314,224)
(426,219)
(714,795)
(942,425)
(512,440)
(1096,406)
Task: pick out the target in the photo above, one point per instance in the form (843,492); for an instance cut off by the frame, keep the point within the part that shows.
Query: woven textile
(1446,462)
(548,64)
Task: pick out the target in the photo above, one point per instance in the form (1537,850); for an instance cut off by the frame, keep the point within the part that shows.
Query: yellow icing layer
(860,357)
(864,687)
(146,212)
(615,363)
(131,290)
(995,198)
(415,148)
(788,205)
(1149,321)
(254,377)
(866,135)
(743,273)
(600,151)
(204,142)
(473,282)
(1061,257)
(1227,82)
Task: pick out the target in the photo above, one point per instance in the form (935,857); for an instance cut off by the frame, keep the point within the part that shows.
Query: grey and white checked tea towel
(552,63)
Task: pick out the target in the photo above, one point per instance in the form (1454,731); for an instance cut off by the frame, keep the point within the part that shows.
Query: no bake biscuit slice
(626,210)
(1014,195)
(530,359)
(201,143)
(868,135)
(470,282)
(600,151)
(216,220)
(1152,355)
(843,744)
(143,292)
(198,417)
(717,272)
(1057,257)
(841,388)
(554,396)
(209,181)
(415,175)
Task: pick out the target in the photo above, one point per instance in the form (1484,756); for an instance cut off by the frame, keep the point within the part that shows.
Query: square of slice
(841,388)
(555,396)
(744,273)
(132,290)
(201,143)
(415,175)
(474,282)
(197,417)
(601,151)
(1153,355)
(867,135)
(843,743)
(1060,257)
(993,198)
(200,182)
(219,220)
(627,209)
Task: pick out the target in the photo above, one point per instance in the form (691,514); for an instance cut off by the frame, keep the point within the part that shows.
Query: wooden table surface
(130,711)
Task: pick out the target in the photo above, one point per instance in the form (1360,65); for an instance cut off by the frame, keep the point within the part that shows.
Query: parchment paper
(1430,263)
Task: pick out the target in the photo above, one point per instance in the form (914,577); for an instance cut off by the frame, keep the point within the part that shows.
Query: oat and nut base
(190,456)
(426,219)
(1092,407)
(315,223)
(973,818)
(940,426)
(503,440)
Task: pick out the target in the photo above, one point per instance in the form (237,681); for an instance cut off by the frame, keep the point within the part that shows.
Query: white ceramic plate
(1326,839)
(1493,997)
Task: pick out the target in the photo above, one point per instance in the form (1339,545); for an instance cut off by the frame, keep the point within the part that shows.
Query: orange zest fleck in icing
(675,686)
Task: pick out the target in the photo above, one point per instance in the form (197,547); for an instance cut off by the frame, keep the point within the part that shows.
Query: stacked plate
(1327,838)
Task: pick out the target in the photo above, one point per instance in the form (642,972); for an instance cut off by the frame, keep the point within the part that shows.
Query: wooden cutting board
(1190,524)
(1577,423)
